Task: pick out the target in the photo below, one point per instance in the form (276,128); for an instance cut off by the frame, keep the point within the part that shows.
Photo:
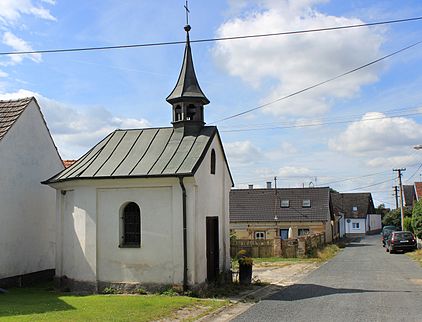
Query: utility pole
(275,184)
(397,196)
(399,171)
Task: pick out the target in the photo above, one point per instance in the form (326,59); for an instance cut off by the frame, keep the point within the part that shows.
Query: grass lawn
(41,304)
(416,255)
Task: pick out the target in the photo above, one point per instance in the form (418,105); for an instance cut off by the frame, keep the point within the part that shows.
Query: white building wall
(373,222)
(27,212)
(90,215)
(212,201)
(351,230)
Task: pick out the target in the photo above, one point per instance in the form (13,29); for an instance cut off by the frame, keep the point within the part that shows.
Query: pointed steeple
(187,86)
(187,98)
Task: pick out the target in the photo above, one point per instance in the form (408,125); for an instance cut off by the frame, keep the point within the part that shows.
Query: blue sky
(86,95)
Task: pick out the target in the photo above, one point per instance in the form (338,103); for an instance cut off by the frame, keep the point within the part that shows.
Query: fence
(254,247)
(303,246)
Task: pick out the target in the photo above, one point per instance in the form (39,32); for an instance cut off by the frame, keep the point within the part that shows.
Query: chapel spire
(187,98)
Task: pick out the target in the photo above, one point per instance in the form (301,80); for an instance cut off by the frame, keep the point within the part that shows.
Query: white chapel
(147,207)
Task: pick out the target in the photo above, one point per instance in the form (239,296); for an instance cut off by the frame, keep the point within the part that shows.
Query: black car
(401,240)
(385,234)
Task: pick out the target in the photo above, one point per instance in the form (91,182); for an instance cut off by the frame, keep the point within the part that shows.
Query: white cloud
(291,171)
(3,74)
(12,10)
(386,134)
(297,61)
(73,130)
(19,44)
(241,152)
(393,162)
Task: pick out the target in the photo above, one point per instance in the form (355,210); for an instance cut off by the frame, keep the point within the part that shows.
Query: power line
(320,83)
(420,166)
(371,185)
(331,119)
(320,123)
(167,43)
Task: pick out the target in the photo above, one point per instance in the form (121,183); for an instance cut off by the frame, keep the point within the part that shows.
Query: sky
(348,134)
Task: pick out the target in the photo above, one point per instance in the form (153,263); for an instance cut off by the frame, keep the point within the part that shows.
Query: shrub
(417,219)
(393,218)
(407,224)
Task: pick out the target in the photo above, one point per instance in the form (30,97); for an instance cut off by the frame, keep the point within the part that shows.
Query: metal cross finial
(187,12)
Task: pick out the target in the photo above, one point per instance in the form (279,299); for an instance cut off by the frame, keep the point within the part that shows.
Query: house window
(260,235)
(355,225)
(306,203)
(355,208)
(303,231)
(212,161)
(131,226)
(285,203)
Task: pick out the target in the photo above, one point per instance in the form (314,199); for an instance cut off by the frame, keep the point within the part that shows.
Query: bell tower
(187,98)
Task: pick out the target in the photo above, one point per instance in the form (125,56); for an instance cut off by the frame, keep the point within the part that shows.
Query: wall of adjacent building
(246,230)
(27,208)
(355,231)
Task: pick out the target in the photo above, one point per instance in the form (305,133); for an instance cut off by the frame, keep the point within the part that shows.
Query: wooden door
(213,260)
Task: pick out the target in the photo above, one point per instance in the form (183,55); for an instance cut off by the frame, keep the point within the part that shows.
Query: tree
(393,218)
(417,219)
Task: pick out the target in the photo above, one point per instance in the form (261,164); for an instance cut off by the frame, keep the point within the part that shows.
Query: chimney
(268,184)
(250,186)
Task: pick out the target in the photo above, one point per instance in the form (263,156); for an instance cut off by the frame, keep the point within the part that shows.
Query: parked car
(401,240)
(385,233)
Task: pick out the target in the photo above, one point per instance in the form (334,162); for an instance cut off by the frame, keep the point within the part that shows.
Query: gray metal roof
(344,202)
(154,152)
(265,204)
(10,112)
(187,85)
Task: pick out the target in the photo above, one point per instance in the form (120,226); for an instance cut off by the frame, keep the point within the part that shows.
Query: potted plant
(245,268)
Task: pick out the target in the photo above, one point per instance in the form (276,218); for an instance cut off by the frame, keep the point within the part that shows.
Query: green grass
(40,304)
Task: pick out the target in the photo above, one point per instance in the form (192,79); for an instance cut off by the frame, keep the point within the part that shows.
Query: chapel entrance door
(213,249)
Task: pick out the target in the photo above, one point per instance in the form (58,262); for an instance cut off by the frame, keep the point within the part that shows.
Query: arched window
(212,161)
(131,226)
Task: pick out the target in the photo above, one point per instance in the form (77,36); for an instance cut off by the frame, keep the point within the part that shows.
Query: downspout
(185,236)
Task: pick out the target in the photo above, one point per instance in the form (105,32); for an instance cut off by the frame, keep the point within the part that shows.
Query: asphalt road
(362,283)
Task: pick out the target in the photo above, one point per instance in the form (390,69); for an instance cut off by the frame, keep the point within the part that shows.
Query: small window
(285,203)
(355,225)
(260,235)
(131,226)
(303,231)
(355,208)
(306,203)
(212,161)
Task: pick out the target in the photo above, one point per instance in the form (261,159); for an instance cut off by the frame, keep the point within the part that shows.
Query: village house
(281,213)
(27,212)
(409,196)
(356,212)
(148,207)
(418,190)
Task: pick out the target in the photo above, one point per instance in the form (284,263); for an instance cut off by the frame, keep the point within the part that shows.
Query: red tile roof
(418,189)
(68,163)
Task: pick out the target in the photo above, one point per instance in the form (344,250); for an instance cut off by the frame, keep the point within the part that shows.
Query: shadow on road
(305,291)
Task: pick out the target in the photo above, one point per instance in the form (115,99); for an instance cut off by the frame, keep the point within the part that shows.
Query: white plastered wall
(212,195)
(89,217)
(351,230)
(27,208)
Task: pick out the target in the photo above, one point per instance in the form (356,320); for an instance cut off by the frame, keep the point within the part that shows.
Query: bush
(407,224)
(393,218)
(417,219)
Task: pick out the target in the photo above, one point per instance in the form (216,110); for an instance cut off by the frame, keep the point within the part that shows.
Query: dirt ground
(276,275)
